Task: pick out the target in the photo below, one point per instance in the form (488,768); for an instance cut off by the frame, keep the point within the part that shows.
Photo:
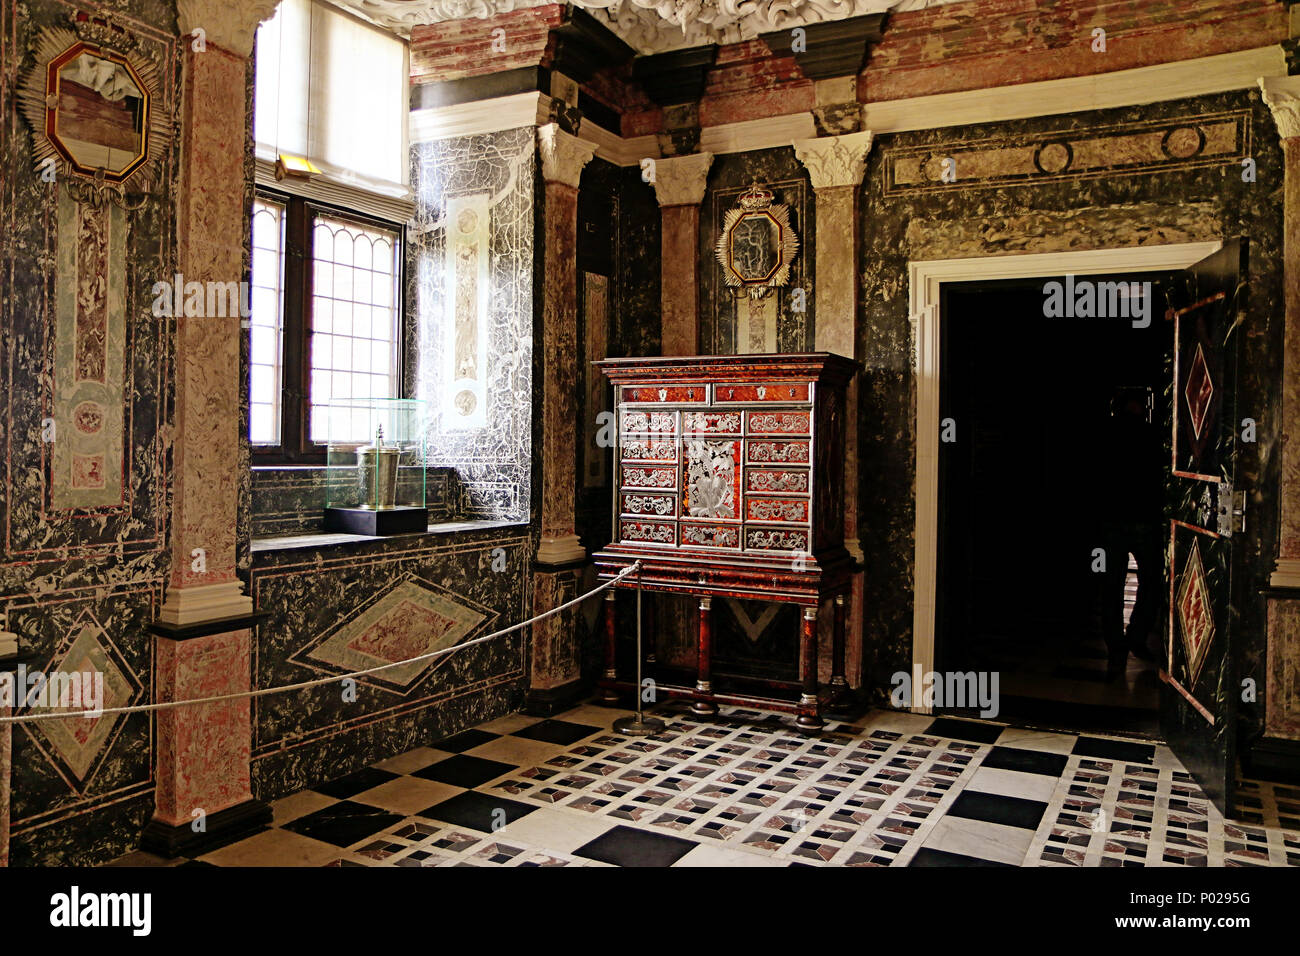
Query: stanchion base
(639,728)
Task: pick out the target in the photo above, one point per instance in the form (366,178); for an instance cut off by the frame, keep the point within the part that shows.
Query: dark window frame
(295,446)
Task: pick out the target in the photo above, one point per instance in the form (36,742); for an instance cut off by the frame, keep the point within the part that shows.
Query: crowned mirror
(757,244)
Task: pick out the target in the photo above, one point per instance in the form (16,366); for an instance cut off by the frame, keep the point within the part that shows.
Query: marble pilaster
(563,157)
(203,635)
(679,185)
(835,166)
(555,666)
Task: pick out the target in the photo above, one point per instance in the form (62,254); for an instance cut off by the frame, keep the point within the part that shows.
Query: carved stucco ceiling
(648,26)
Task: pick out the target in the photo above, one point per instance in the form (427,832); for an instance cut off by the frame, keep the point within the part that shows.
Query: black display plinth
(398,520)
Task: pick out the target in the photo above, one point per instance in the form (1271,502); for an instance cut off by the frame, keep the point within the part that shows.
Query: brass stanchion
(639,725)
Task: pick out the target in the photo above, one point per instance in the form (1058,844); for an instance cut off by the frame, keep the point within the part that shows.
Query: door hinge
(1232,510)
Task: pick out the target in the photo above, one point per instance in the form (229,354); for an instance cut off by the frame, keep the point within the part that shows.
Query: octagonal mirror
(757,244)
(97,112)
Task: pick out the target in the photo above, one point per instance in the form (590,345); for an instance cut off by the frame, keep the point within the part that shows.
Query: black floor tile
(343,824)
(626,846)
(464,770)
(1114,750)
(558,732)
(354,783)
(930,857)
(964,730)
(1026,761)
(477,811)
(465,740)
(997,808)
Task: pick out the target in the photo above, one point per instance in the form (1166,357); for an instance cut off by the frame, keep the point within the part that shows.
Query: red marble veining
(985,43)
(457,49)
(679,238)
(6,768)
(748,82)
(203,750)
(211,235)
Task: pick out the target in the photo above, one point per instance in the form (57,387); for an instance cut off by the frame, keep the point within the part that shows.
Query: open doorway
(1052,461)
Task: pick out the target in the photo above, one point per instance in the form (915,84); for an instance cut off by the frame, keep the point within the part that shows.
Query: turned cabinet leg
(809,714)
(704,683)
(839,686)
(608,695)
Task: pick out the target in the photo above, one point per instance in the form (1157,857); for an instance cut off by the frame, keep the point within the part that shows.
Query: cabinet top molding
(825,366)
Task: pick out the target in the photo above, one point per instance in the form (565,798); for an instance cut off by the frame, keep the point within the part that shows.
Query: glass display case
(375,466)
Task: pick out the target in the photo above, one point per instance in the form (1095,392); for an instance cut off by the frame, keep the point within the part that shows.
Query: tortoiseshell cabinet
(730,484)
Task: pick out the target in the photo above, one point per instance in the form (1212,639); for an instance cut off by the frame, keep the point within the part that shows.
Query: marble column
(679,184)
(1282,705)
(835,166)
(203,631)
(555,664)
(6,765)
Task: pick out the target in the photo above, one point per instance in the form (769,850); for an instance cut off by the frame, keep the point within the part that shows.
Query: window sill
(303,542)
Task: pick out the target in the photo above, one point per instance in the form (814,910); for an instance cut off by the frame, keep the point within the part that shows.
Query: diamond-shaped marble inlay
(1199,391)
(79,741)
(1194,611)
(407,621)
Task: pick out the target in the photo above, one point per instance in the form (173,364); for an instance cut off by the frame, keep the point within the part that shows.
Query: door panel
(1198,705)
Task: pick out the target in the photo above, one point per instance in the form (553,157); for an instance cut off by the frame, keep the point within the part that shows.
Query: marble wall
(730,323)
(470,294)
(349,607)
(85,472)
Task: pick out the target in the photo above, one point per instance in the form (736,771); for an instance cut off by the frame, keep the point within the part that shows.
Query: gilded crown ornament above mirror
(91,99)
(757,244)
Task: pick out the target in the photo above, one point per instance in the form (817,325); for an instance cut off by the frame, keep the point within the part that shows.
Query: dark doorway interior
(1058,449)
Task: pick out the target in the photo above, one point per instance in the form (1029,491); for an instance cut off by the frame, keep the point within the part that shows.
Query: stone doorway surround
(926,279)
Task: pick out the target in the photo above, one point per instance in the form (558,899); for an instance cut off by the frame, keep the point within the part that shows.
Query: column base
(221,828)
(564,550)
(549,701)
(1286,573)
(204,602)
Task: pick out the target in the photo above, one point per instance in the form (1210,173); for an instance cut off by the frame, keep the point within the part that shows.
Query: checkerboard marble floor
(745,789)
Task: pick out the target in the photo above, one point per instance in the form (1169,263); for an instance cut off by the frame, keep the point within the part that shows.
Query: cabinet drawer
(779,423)
(655,423)
(677,394)
(710,535)
(640,503)
(761,451)
(634,477)
(711,423)
(647,449)
(767,392)
(776,539)
(785,510)
(648,532)
(777,480)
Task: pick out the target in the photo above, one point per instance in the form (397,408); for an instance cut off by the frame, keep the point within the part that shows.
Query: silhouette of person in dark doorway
(1132,523)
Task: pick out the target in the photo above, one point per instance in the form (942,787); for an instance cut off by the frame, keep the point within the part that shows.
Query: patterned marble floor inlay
(745,789)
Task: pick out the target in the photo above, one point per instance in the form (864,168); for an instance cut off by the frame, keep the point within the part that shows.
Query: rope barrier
(268,691)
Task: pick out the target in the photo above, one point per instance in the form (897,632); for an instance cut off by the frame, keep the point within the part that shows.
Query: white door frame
(926,279)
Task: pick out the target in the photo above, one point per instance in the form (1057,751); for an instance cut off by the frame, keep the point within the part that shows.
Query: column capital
(1282,97)
(680,180)
(230,24)
(834,160)
(563,154)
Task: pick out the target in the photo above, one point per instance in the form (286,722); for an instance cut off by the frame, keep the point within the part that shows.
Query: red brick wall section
(985,43)
(461,48)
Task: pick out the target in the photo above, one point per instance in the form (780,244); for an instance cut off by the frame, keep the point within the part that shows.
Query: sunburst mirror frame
(38,101)
(756,203)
